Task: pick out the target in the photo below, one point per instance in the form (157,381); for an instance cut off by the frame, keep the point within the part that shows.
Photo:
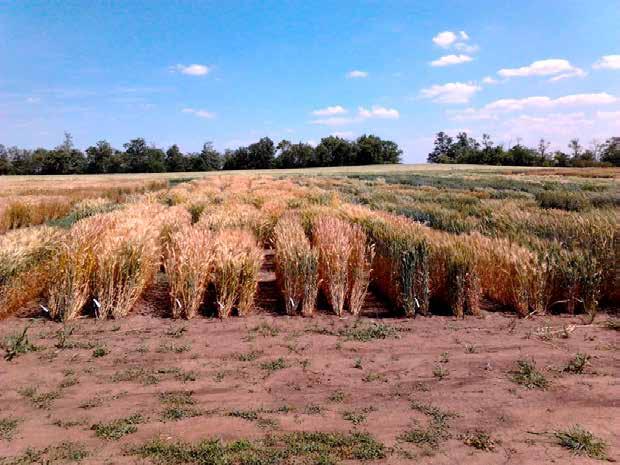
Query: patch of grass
(69,381)
(17,344)
(65,452)
(582,442)
(358,364)
(176,332)
(337,396)
(613,324)
(173,348)
(527,375)
(369,332)
(8,426)
(357,417)
(578,364)
(248,356)
(177,398)
(63,337)
(302,447)
(313,409)
(479,440)
(274,365)
(437,431)
(249,415)
(371,376)
(116,429)
(266,330)
(440,372)
(176,413)
(42,400)
(470,349)
(100,351)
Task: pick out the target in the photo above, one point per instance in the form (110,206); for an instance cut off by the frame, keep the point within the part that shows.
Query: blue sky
(233,71)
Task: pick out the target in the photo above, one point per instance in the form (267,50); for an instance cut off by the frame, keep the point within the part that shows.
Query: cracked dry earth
(95,392)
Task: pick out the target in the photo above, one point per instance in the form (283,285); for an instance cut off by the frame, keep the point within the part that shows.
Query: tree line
(139,157)
(466,149)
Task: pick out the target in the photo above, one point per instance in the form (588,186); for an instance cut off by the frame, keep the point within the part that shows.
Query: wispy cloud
(451,60)
(329,111)
(452,92)
(555,67)
(192,70)
(199,113)
(363,113)
(608,62)
(377,111)
(357,74)
(540,103)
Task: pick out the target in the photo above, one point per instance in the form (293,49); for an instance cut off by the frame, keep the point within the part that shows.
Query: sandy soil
(329,382)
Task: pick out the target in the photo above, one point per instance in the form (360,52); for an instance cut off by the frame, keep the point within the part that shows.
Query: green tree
(175,160)
(443,151)
(101,158)
(335,151)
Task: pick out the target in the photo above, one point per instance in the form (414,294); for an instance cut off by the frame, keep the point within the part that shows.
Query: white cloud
(493,109)
(608,62)
(456,41)
(578,72)
(467,48)
(489,80)
(356,73)
(363,113)
(452,92)
(378,112)
(329,111)
(192,70)
(609,115)
(445,39)
(552,124)
(548,67)
(33,100)
(451,60)
(547,102)
(199,113)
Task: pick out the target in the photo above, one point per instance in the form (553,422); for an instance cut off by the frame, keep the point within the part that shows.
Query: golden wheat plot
(332,238)
(127,259)
(236,266)
(71,284)
(25,258)
(360,262)
(296,266)
(188,263)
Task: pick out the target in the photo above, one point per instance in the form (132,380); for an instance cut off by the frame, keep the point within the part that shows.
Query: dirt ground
(422,387)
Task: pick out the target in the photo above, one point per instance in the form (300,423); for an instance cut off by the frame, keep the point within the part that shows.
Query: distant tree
(141,158)
(611,151)
(102,158)
(21,161)
(543,150)
(335,151)
(261,154)
(575,148)
(561,159)
(520,155)
(175,160)
(294,155)
(5,163)
(211,158)
(466,149)
(443,151)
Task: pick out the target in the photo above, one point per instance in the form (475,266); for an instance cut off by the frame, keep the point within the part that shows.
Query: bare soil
(269,374)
